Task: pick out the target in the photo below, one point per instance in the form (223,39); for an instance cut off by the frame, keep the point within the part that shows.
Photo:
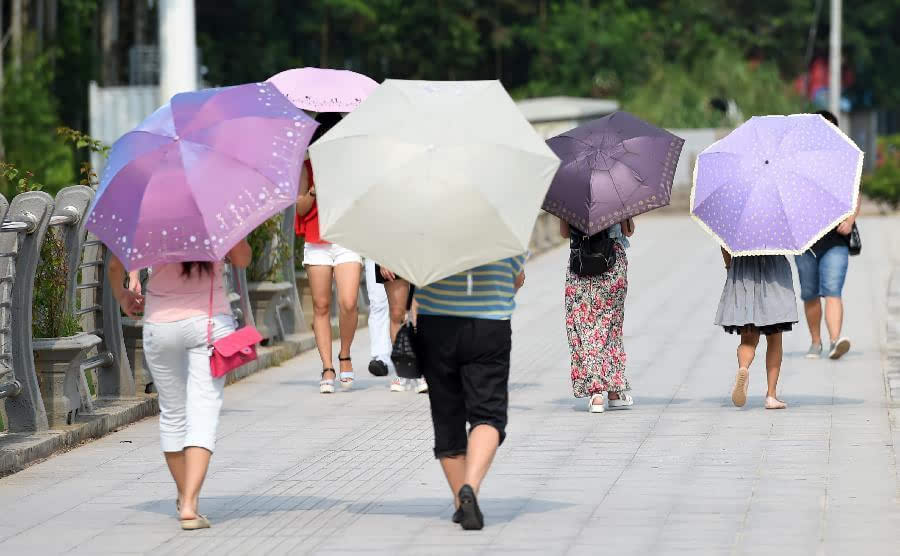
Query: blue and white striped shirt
(490,295)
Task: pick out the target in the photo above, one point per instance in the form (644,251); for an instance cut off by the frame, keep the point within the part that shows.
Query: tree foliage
(884,183)
(28,117)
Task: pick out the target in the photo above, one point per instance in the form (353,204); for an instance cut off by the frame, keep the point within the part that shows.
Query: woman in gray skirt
(758,299)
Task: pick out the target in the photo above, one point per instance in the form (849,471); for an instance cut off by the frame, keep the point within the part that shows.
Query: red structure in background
(818,79)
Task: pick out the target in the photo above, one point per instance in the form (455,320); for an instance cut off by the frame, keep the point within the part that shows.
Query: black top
(829,240)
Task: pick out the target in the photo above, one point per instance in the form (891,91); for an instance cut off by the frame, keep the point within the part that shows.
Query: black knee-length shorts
(466,364)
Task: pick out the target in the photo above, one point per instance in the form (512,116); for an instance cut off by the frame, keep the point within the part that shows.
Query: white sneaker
(624,402)
(839,348)
(421,386)
(398,385)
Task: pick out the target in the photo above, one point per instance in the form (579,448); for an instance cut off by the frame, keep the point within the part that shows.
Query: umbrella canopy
(776,184)
(324,90)
(612,168)
(200,174)
(432,178)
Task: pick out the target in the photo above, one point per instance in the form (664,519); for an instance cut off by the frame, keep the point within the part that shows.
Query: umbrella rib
(230,157)
(225,155)
(814,184)
(784,213)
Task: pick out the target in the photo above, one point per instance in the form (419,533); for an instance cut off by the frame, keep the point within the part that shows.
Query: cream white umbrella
(431,178)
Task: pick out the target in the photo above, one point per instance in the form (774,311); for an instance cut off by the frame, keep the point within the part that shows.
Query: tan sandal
(199,522)
(741,383)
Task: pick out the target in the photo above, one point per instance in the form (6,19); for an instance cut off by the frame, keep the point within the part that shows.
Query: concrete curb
(892,356)
(18,451)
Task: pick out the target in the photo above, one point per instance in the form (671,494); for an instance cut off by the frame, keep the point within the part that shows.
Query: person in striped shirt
(465,342)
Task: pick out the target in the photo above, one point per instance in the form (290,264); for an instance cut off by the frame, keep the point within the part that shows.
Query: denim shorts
(822,274)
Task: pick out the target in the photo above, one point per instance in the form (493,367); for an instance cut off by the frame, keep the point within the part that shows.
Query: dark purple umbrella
(613,168)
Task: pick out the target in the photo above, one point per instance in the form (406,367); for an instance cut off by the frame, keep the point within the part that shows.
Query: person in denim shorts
(822,272)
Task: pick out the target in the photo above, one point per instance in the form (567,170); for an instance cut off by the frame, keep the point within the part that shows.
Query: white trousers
(189,397)
(379,318)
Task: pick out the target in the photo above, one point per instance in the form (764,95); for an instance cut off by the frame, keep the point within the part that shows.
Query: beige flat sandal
(199,522)
(741,382)
(774,403)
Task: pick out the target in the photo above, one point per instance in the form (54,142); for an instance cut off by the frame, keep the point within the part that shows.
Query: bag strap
(209,322)
(410,296)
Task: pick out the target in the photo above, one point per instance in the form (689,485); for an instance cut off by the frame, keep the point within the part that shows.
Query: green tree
(28,116)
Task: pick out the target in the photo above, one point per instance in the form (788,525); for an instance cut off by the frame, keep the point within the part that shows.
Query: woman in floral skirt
(595,313)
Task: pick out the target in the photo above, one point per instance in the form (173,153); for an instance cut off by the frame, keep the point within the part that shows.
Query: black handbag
(592,255)
(854,243)
(404,353)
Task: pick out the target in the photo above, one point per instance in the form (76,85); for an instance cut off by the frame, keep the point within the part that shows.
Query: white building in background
(177,48)
(157,72)
(553,115)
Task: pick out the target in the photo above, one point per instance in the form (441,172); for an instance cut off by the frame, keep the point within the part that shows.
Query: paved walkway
(684,472)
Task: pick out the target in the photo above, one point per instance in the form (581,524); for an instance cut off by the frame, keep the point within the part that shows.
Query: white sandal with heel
(346,376)
(326,385)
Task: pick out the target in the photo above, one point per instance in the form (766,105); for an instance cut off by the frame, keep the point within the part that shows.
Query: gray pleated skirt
(758,294)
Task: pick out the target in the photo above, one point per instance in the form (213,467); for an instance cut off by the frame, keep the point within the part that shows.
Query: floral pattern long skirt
(595,313)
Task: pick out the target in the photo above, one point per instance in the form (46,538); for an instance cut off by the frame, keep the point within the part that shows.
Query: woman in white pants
(379,324)
(176,315)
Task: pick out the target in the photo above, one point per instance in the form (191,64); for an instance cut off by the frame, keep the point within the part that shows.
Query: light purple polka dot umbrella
(776,184)
(200,174)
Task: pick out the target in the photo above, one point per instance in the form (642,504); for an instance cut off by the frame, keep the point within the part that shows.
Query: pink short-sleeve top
(171,296)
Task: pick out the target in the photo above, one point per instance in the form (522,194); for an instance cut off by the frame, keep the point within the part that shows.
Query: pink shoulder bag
(232,351)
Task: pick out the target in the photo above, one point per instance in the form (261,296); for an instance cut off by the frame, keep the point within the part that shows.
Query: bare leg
(483,443)
(196,464)
(397,293)
(813,309)
(834,317)
(175,461)
(347,276)
(320,287)
(745,353)
(455,471)
(774,354)
(747,350)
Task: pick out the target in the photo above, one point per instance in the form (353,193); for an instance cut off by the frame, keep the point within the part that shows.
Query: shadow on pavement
(580,404)
(852,354)
(227,508)
(496,510)
(793,400)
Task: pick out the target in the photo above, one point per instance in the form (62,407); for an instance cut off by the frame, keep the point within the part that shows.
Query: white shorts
(328,254)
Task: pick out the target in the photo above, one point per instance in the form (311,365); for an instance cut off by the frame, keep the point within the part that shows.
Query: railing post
(73,202)
(58,361)
(26,411)
(240,302)
(101,316)
(289,270)
(9,386)
(117,379)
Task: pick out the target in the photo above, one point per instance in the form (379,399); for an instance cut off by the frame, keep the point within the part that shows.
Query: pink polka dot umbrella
(199,174)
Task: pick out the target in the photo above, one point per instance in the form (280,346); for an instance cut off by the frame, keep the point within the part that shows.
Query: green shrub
(51,315)
(884,183)
(269,252)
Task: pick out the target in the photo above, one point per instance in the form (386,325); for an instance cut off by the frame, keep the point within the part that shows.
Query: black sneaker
(377,367)
(458,515)
(472,520)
